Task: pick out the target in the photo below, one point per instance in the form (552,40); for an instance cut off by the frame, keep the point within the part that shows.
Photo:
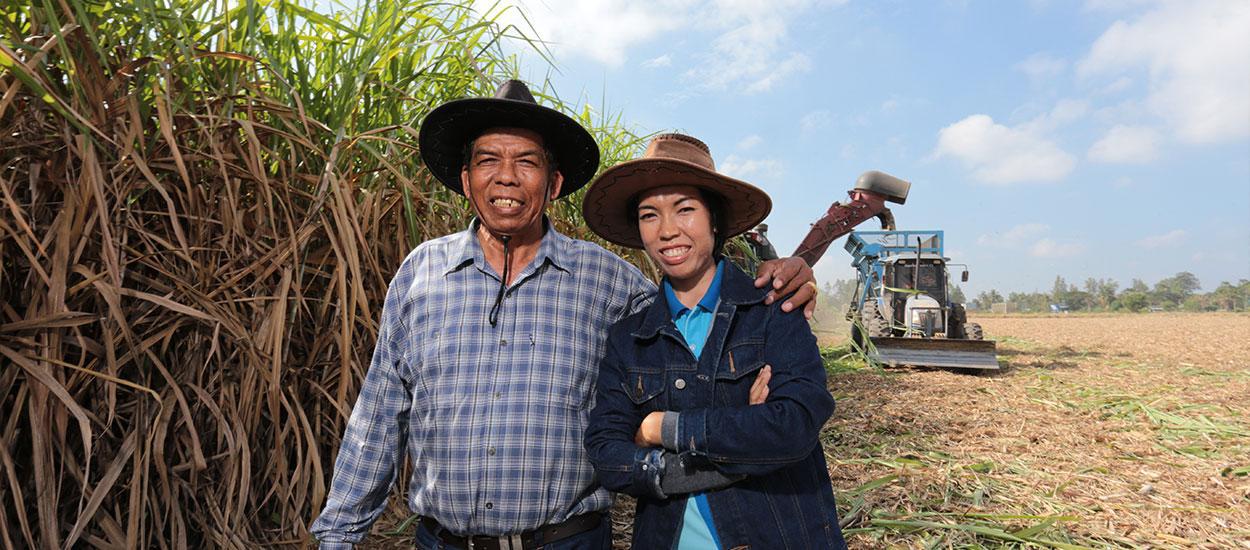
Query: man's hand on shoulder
(789,276)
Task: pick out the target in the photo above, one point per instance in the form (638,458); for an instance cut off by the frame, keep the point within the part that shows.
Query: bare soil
(1122,430)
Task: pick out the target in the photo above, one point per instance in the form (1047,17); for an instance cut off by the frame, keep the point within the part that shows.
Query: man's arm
(789,276)
(374,442)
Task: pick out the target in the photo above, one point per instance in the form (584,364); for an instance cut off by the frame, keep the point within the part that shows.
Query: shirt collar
(553,248)
(707,302)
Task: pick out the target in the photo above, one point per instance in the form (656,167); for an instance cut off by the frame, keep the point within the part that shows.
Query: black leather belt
(528,540)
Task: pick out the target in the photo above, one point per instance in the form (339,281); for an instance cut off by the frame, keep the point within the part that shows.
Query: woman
(709,403)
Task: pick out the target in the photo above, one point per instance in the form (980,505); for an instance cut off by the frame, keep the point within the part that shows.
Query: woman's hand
(759,389)
(649,431)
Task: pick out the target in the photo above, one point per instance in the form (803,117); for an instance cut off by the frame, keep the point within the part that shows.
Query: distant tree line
(1176,293)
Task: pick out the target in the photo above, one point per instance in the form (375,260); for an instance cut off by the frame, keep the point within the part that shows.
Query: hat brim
(449,127)
(606,207)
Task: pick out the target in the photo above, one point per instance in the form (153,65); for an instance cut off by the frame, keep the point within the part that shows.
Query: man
(760,245)
(489,346)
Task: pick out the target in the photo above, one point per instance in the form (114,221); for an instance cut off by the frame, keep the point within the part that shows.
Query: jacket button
(680,383)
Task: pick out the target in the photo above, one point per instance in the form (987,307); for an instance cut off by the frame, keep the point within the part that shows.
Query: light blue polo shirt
(698,532)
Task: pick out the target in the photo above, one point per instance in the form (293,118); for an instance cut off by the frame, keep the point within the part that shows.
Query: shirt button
(503,342)
(489,505)
(491,451)
(680,383)
(498,395)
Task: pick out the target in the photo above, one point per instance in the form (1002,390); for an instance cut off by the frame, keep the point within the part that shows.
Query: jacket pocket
(741,359)
(643,386)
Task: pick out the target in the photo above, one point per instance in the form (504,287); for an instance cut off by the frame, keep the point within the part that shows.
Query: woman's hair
(715,203)
(716,209)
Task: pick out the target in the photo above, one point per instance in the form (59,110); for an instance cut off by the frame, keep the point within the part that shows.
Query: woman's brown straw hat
(671,159)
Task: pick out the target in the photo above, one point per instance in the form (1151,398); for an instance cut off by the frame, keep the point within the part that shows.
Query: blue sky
(1099,138)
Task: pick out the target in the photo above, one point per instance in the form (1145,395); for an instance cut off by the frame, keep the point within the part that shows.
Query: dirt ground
(1128,431)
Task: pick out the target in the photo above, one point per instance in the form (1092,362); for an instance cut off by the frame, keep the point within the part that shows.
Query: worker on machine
(760,245)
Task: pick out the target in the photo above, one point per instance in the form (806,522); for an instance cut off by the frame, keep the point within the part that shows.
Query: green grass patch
(843,359)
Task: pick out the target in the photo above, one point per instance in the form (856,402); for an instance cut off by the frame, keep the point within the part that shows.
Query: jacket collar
(554,248)
(736,289)
(708,301)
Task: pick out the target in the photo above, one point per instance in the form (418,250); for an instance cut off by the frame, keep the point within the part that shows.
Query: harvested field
(1126,431)
(1102,431)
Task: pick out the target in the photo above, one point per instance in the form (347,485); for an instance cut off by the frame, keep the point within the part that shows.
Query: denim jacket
(782,497)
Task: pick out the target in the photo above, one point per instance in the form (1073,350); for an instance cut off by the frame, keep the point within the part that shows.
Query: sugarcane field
(597,274)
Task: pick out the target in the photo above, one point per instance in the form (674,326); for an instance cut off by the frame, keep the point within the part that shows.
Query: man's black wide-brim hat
(450,126)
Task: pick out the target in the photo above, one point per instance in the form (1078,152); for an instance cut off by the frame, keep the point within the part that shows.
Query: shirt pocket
(556,367)
(645,386)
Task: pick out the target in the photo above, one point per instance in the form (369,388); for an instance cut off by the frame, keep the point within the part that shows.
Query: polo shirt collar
(707,302)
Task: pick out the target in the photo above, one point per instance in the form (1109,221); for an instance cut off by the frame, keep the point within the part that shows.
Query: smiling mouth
(675,252)
(505,203)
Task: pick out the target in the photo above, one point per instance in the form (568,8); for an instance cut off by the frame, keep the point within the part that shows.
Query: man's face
(508,181)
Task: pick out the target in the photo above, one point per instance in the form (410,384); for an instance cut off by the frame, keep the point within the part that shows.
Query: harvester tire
(974,331)
(873,321)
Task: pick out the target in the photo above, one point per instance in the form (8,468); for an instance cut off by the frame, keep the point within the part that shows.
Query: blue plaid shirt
(492,417)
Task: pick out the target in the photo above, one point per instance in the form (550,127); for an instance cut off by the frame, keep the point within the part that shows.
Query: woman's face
(676,228)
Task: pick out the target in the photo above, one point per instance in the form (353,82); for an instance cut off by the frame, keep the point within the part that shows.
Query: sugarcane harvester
(901,312)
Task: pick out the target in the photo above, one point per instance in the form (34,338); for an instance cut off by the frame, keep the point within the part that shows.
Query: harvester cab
(902,313)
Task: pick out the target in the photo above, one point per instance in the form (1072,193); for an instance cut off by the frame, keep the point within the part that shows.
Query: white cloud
(658,62)
(1118,85)
(1196,55)
(602,30)
(1169,239)
(1065,112)
(1048,248)
(750,142)
(751,52)
(815,120)
(1041,66)
(1126,144)
(741,44)
(997,154)
(750,169)
(1015,236)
